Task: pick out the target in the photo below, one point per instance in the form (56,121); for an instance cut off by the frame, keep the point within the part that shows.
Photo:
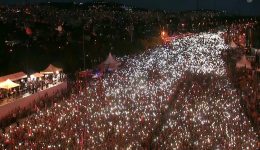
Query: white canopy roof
(51,70)
(37,75)
(8,84)
(233,44)
(111,62)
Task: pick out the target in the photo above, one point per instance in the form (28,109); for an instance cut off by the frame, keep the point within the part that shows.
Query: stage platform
(27,99)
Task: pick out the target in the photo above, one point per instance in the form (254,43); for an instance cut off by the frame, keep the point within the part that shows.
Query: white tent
(51,70)
(111,63)
(8,84)
(233,44)
(37,75)
(243,62)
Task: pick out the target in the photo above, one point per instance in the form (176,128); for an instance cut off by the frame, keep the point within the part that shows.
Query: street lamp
(163,33)
(164,36)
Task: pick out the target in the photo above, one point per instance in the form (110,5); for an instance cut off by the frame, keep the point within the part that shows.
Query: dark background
(45,45)
(241,7)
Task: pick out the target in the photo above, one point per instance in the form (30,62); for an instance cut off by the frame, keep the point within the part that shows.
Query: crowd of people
(206,115)
(247,82)
(185,83)
(19,113)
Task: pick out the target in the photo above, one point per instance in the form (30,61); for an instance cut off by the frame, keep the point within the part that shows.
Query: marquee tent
(110,60)
(37,75)
(233,44)
(243,62)
(14,77)
(8,84)
(51,70)
(109,63)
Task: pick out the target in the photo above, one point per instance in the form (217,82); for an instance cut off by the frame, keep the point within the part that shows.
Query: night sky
(233,6)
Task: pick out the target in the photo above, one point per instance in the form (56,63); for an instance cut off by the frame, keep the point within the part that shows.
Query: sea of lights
(121,110)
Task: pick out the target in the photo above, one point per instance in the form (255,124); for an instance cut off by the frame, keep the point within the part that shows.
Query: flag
(82,141)
(28,31)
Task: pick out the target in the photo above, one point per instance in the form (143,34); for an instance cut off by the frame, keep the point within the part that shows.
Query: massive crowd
(185,83)
(247,83)
(205,115)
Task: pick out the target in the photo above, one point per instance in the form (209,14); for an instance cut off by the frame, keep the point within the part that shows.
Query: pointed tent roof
(8,84)
(110,60)
(233,44)
(51,70)
(243,62)
(14,76)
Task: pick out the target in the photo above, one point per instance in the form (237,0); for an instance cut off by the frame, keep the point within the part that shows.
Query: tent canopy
(37,75)
(13,77)
(51,70)
(8,84)
(243,62)
(233,44)
(110,62)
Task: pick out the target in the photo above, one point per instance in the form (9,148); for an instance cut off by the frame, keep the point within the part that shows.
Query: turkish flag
(28,31)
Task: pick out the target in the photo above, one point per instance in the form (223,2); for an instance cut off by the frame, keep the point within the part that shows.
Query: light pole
(164,35)
(197,4)
(83,47)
